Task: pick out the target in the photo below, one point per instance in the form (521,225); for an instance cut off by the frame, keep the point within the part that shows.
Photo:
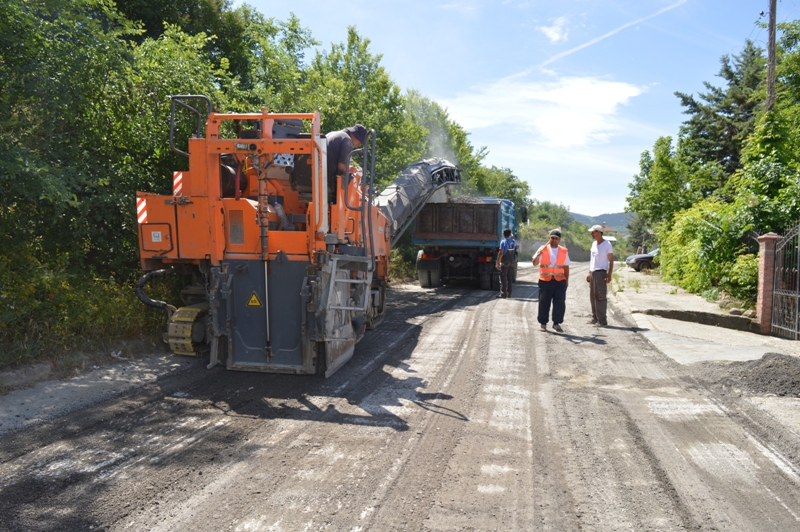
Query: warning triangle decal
(254,301)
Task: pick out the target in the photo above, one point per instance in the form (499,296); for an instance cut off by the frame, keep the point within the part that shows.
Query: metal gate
(786,289)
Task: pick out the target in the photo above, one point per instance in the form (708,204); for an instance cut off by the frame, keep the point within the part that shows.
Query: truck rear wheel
(436,278)
(486,281)
(495,282)
(424,278)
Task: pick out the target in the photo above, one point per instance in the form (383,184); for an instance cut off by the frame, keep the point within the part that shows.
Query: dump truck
(285,274)
(461,239)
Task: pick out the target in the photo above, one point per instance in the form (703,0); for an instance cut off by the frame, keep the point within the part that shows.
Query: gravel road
(457,413)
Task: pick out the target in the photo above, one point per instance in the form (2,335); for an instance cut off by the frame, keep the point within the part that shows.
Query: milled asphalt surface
(638,294)
(457,413)
(644,293)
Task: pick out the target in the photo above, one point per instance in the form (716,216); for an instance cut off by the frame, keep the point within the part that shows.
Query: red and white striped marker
(141,209)
(177,183)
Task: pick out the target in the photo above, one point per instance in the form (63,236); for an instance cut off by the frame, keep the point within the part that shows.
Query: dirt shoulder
(79,362)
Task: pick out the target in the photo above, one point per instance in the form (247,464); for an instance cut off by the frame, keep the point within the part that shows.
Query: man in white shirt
(601,264)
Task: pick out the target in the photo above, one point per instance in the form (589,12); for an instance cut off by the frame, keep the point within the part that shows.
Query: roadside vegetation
(544,216)
(84,111)
(732,174)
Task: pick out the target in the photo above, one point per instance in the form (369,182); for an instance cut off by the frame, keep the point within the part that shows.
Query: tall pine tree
(722,118)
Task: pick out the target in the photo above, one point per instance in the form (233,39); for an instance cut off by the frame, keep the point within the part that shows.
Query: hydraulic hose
(144,298)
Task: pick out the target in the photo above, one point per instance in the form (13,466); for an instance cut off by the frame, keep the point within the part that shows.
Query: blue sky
(566,94)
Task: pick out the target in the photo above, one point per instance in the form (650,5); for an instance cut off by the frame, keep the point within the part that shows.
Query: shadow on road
(59,474)
(575,339)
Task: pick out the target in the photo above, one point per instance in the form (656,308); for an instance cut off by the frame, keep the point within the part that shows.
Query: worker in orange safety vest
(553,262)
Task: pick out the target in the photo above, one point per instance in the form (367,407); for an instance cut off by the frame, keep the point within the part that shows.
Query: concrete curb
(738,323)
(640,318)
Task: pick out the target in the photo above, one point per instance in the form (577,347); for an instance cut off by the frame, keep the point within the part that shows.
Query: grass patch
(616,284)
(636,284)
(403,264)
(47,313)
(712,295)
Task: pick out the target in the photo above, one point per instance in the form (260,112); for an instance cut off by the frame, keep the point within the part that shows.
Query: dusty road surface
(456,414)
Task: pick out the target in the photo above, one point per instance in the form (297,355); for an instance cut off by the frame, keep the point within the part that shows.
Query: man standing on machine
(340,144)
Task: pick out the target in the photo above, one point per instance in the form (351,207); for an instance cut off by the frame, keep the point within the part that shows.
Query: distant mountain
(617,220)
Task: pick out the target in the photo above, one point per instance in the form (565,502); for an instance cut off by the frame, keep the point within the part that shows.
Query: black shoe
(543,326)
(557,327)
(592,321)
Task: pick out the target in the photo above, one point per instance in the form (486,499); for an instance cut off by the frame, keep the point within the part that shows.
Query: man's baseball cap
(594,228)
(359,132)
(555,232)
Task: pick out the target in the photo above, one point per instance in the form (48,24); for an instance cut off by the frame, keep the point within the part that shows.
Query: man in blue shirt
(506,259)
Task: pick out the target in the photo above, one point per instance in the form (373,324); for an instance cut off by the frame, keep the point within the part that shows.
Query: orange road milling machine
(288,268)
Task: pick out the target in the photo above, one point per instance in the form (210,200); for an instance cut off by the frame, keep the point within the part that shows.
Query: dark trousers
(506,276)
(598,290)
(555,292)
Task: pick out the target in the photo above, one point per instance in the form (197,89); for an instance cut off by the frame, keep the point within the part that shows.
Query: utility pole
(771,56)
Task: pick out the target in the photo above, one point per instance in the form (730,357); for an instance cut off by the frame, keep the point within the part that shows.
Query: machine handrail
(176,100)
(346,180)
(370,134)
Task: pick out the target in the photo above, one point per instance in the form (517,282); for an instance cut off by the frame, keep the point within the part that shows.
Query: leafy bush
(741,281)
(702,244)
(401,268)
(45,312)
(712,294)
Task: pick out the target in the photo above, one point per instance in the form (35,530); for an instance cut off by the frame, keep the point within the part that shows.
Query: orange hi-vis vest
(549,271)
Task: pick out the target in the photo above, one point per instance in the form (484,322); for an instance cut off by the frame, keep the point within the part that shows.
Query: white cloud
(566,136)
(557,32)
(612,32)
(566,112)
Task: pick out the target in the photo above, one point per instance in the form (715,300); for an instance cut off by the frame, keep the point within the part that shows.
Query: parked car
(643,261)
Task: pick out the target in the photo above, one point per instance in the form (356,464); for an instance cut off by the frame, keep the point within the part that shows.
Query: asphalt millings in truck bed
(466,199)
(772,374)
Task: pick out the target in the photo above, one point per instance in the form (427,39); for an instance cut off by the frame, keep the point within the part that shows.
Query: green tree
(349,85)
(226,28)
(277,69)
(774,134)
(502,183)
(722,118)
(57,74)
(446,138)
(638,232)
(545,215)
(661,188)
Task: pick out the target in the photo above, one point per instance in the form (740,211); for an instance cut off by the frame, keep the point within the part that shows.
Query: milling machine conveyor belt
(401,201)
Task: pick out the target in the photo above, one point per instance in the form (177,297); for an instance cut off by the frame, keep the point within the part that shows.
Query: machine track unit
(186,331)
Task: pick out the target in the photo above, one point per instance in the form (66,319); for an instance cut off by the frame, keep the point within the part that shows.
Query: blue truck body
(461,239)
